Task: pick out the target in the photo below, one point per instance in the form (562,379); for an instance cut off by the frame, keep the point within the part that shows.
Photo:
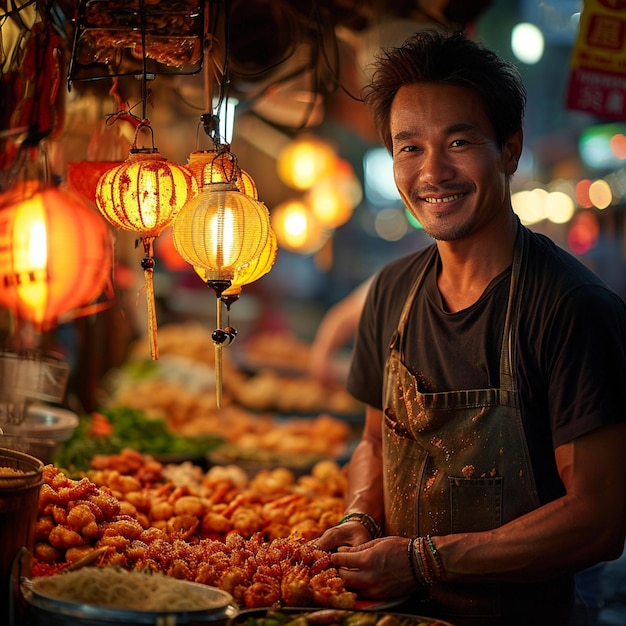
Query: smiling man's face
(448,167)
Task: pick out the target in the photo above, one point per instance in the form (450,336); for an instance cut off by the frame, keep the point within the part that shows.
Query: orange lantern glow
(143,195)
(304,161)
(56,254)
(297,228)
(333,198)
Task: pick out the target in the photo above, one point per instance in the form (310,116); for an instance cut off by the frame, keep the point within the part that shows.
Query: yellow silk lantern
(220,166)
(207,167)
(143,195)
(221,230)
(56,254)
(252,271)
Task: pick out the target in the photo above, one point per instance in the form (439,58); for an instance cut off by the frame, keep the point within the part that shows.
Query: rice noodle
(116,588)
(9,471)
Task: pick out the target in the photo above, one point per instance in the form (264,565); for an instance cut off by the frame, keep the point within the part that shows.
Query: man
(335,330)
(492,365)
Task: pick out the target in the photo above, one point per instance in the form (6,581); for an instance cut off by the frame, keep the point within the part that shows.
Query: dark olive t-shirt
(570,363)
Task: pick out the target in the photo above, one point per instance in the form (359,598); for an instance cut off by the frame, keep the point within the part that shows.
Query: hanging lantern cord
(144,123)
(211,125)
(147,264)
(210,122)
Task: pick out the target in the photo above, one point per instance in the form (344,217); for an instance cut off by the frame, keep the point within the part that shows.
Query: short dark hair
(433,56)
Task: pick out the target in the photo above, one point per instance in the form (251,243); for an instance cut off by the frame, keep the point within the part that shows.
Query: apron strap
(508,386)
(398,335)
(511,322)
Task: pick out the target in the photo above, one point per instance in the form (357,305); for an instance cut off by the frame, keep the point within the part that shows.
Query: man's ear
(512,151)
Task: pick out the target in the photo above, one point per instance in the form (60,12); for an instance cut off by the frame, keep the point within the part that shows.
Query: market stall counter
(108,543)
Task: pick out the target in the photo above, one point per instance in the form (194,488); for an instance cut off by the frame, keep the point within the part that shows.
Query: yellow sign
(597,82)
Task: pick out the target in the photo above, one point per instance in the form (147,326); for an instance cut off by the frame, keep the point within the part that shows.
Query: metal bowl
(43,431)
(46,610)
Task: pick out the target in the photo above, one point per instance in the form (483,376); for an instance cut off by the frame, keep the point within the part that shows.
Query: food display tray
(336,617)
(118,38)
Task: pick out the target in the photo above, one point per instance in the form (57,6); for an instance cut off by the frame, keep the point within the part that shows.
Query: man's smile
(432,200)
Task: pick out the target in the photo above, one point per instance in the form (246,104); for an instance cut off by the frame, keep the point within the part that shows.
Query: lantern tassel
(218,375)
(218,358)
(147,263)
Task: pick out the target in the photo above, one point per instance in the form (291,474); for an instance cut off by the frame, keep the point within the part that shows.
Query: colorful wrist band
(440,571)
(366,520)
(422,561)
(411,563)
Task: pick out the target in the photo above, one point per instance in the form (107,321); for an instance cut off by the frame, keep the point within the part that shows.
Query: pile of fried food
(180,385)
(252,537)
(279,348)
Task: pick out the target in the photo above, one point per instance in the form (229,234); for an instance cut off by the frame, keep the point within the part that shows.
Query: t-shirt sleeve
(586,363)
(365,376)
(379,321)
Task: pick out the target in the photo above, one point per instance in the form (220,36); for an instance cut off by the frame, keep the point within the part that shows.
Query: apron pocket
(475,504)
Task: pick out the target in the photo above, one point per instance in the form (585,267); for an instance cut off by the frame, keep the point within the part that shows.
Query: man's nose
(436,167)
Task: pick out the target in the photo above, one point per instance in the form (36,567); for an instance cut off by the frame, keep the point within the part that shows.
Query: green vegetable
(131,429)
(301,620)
(361,619)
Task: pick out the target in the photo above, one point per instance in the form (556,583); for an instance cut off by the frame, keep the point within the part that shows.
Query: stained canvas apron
(457,461)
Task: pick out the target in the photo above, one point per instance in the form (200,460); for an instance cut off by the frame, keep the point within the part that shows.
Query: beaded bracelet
(422,561)
(411,563)
(366,520)
(439,569)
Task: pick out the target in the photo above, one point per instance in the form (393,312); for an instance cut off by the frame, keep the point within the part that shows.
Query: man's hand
(351,533)
(377,569)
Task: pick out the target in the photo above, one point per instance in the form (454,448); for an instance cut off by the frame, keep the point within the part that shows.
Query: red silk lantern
(167,254)
(56,254)
(143,195)
(83,176)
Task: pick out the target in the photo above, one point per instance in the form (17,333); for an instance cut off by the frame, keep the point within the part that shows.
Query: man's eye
(457,143)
